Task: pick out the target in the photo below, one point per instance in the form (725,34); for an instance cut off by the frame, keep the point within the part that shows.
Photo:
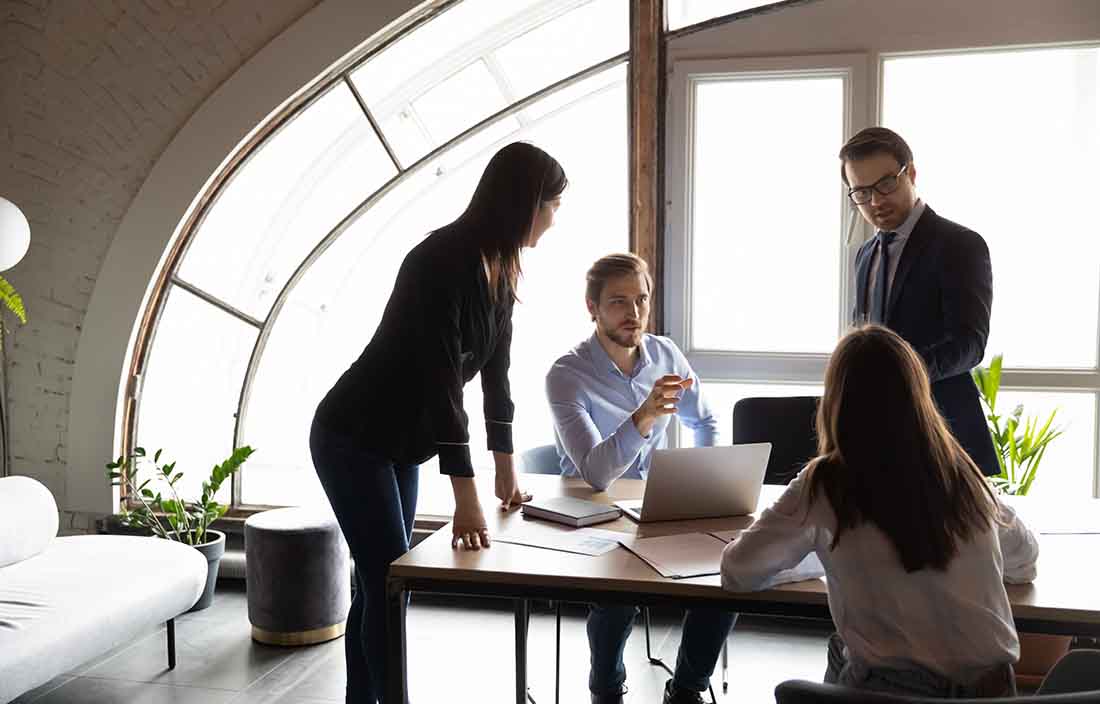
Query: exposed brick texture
(91,93)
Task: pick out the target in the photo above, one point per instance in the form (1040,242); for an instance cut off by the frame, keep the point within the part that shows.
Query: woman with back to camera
(448,318)
(915,545)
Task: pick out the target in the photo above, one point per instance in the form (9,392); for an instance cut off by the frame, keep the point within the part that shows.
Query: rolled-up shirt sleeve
(599,460)
(778,547)
(693,410)
(1019,548)
(497,394)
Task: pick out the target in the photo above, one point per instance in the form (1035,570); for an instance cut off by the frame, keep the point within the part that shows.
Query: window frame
(1022,379)
(735,365)
(866,85)
(168,277)
(751,367)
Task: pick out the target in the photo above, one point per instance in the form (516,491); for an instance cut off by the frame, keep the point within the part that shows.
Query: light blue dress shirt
(592,400)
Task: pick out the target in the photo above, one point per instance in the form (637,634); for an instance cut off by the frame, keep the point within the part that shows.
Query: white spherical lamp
(15,234)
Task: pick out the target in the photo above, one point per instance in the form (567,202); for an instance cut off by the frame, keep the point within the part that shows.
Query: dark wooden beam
(646,105)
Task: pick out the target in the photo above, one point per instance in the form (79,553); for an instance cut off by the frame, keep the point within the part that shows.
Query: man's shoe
(616,698)
(675,695)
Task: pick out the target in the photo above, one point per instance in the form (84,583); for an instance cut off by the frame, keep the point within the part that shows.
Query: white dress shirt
(957,622)
(592,400)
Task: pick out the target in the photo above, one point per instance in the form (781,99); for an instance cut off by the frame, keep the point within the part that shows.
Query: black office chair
(1075,679)
(1077,670)
(788,423)
(802,692)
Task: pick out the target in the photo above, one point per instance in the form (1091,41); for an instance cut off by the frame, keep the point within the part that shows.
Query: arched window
(284,274)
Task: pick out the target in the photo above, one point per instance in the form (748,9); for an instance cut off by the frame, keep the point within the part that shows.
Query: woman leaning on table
(448,318)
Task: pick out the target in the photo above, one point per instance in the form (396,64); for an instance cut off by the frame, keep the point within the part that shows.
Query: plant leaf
(12,300)
(995,378)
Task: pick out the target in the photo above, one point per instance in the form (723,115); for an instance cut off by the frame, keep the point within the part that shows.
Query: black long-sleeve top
(402,397)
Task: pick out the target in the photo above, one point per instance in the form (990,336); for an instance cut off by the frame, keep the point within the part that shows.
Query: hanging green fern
(12,300)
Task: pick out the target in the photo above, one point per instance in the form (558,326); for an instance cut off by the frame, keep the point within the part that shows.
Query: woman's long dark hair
(886,456)
(516,182)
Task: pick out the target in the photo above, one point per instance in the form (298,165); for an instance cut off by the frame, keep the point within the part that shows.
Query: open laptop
(701,482)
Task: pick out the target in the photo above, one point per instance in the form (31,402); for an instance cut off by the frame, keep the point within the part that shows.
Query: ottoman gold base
(316,635)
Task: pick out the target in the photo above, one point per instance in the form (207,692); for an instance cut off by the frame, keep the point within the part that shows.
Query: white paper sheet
(582,541)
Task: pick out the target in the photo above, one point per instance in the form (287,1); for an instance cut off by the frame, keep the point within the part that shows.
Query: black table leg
(397,675)
(523,616)
(557,654)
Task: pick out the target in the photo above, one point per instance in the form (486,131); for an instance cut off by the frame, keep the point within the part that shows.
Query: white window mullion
(773,362)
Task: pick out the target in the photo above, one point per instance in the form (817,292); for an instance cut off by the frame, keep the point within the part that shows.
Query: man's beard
(624,338)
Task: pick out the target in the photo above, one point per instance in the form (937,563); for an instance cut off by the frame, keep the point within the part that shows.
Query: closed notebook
(570,511)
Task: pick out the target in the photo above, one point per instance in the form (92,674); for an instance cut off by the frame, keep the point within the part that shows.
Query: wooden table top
(1064,591)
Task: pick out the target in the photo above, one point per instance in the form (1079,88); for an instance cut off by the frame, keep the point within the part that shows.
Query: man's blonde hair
(613,266)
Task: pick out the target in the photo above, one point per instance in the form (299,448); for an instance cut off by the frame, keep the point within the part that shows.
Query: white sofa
(64,601)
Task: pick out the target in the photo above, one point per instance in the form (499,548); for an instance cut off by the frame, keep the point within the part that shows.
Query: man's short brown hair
(613,266)
(874,140)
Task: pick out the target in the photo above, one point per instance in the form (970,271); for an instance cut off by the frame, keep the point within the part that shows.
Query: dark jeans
(609,625)
(374,500)
(997,681)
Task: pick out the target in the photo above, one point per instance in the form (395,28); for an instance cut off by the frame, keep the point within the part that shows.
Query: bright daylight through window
(1019,181)
(441,80)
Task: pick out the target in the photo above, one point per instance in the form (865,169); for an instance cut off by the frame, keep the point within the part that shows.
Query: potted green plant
(169,516)
(1021,444)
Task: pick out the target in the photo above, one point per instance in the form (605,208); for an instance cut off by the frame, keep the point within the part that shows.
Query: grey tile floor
(458,652)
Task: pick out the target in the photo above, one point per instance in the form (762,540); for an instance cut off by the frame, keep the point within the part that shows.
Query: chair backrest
(1077,670)
(540,460)
(787,422)
(803,692)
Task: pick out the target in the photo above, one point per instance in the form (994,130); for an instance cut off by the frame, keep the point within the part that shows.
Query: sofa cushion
(85,595)
(28,519)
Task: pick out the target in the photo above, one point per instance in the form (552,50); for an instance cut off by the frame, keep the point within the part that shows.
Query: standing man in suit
(924,277)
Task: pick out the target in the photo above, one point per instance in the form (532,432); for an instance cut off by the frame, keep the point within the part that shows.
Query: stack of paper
(679,556)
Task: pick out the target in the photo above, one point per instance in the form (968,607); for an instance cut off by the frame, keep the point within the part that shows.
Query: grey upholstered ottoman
(298,574)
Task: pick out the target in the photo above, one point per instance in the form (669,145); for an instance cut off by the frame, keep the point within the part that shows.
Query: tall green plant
(1020,442)
(169,516)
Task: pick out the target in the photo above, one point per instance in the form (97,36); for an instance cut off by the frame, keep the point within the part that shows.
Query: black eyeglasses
(884,186)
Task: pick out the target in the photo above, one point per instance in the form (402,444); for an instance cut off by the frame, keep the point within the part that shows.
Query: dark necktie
(879,291)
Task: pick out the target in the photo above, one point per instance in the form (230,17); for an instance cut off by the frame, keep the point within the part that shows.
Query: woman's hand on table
(468,527)
(507,482)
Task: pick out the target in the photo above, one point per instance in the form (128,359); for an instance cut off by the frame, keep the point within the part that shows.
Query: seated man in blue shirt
(612,398)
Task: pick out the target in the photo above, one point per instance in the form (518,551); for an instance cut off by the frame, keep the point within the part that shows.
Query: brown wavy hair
(516,182)
(886,456)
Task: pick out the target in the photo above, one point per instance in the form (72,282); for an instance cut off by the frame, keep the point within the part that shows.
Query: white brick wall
(91,92)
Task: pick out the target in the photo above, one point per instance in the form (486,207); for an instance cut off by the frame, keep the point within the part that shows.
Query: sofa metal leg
(171,644)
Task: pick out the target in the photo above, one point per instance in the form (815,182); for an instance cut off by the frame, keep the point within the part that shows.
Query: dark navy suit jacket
(940,302)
